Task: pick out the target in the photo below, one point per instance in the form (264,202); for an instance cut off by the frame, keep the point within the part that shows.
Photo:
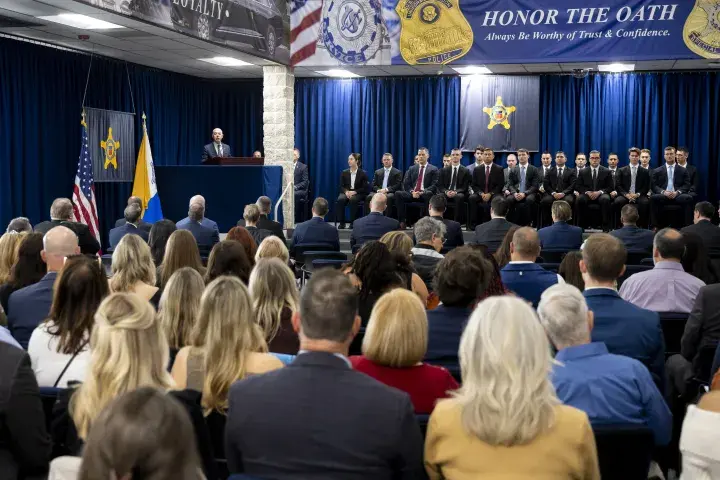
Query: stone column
(279,129)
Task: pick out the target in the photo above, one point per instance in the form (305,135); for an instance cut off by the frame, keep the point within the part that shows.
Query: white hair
(197,199)
(426,227)
(506,395)
(563,313)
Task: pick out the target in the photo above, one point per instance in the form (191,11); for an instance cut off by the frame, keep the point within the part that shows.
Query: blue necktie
(522,179)
(671,183)
(385,178)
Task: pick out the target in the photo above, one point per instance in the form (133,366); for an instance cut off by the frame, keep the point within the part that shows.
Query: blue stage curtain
(372,116)
(41,92)
(612,113)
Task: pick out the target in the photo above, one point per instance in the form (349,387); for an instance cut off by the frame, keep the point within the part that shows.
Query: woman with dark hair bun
(354,187)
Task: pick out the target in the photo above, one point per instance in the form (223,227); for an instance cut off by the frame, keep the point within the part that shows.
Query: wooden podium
(234,161)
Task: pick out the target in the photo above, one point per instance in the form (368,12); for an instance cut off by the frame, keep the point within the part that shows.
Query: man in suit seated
(561,235)
(543,173)
(216,148)
(374,225)
(251,215)
(558,184)
(132,220)
(704,228)
(387,181)
(61,213)
(611,389)
(301,186)
(522,189)
(354,187)
(204,221)
(681,157)
(316,230)
(667,287)
(453,236)
(453,183)
(293,423)
(265,205)
(670,186)
(594,185)
(141,224)
(430,236)
(492,233)
(522,275)
(31,305)
(634,238)
(479,159)
(623,327)
(511,164)
(419,185)
(632,184)
(488,182)
(205,237)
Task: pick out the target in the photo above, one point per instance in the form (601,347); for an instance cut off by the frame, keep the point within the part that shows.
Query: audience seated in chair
(181,251)
(354,187)
(699,438)
(29,306)
(611,389)
(387,180)
(273,248)
(704,228)
(670,185)
(487,182)
(27,268)
(245,238)
(251,215)
(634,238)
(594,186)
(158,238)
(19,225)
(197,215)
(696,261)
(206,235)
(131,225)
(453,236)
(665,288)
(59,347)
(502,254)
(9,250)
(561,235)
(374,225)
(264,204)
(429,236)
(228,258)
(133,269)
(420,183)
(61,213)
(506,421)
(316,230)
(141,224)
(454,183)
(569,269)
(492,233)
(521,190)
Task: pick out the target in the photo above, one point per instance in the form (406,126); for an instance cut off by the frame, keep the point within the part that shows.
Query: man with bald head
(199,202)
(29,306)
(141,224)
(61,213)
(522,275)
(374,225)
(216,148)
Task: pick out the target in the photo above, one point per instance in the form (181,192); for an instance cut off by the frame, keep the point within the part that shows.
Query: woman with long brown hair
(241,235)
(181,251)
(228,258)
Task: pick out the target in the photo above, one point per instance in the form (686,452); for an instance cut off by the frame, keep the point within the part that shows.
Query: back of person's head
(181,251)
(131,263)
(59,242)
(668,244)
(228,258)
(264,204)
(61,209)
(696,260)
(438,204)
(499,207)
(329,307)
(128,350)
(9,251)
(502,255)
(241,235)
(251,214)
(29,267)
(603,257)
(378,269)
(561,211)
(272,288)
(196,212)
(506,395)
(228,335)
(320,207)
(159,235)
(378,203)
(426,228)
(79,288)
(398,242)
(132,213)
(142,434)
(563,313)
(397,332)
(135,200)
(570,269)
(629,215)
(705,210)
(180,305)
(462,277)
(272,247)
(525,244)
(19,225)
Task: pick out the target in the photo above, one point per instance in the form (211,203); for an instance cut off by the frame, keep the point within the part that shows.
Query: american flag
(305,16)
(84,206)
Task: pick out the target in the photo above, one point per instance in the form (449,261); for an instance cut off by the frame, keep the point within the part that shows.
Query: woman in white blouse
(58,347)
(699,439)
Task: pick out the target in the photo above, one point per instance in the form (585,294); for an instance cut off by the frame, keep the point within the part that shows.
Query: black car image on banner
(259,27)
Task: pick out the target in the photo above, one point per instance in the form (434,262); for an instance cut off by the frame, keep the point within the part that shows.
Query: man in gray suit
(511,164)
(317,418)
(216,148)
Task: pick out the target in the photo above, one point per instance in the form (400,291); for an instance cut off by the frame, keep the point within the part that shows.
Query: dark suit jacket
(635,238)
(532,180)
(29,306)
(371,227)
(206,222)
(301,179)
(584,182)
(117,233)
(205,237)
(615,177)
(88,244)
(430,179)
(314,436)
(266,224)
(362,185)
(142,224)
(496,182)
(453,235)
(692,178)
(565,185)
(710,234)
(394,180)
(315,230)
(492,233)
(445,327)
(561,236)
(258,234)
(24,444)
(541,175)
(462,182)
(659,179)
(209,151)
(642,180)
(703,326)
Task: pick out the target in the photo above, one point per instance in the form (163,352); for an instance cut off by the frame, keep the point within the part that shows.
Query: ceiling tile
(507,68)
(542,67)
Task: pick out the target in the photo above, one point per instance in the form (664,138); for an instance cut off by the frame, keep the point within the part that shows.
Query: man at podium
(216,148)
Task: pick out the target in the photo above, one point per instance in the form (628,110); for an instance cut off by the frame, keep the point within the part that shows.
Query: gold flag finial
(82,122)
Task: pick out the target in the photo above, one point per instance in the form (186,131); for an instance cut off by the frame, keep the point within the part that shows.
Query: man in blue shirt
(611,389)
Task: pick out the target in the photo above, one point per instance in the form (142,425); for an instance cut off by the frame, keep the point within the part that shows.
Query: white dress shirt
(352,179)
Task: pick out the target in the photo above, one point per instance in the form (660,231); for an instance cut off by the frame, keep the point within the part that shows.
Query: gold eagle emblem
(499,114)
(111,147)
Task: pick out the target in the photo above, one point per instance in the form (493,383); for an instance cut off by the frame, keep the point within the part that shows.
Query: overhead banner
(500,111)
(111,141)
(259,27)
(431,32)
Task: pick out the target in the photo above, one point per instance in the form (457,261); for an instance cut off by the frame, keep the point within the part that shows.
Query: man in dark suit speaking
(216,148)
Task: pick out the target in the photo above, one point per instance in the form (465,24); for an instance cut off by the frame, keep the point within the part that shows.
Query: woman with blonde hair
(506,421)
(181,251)
(179,307)
(398,241)
(273,247)
(133,269)
(9,248)
(395,343)
(275,298)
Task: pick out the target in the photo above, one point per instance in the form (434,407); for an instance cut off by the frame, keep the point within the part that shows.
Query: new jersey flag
(144,186)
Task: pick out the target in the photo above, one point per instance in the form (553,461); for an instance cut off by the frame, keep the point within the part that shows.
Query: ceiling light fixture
(338,73)
(225,61)
(473,70)
(617,67)
(83,22)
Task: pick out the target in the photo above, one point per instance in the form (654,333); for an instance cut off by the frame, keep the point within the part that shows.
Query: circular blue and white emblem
(352,30)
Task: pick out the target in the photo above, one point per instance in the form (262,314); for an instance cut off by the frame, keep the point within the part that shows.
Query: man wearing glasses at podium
(216,148)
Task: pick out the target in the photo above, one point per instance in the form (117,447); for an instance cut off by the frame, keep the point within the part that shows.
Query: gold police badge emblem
(110,146)
(499,114)
(702,29)
(433,31)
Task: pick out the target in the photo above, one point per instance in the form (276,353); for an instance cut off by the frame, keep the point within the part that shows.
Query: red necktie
(418,185)
(487,178)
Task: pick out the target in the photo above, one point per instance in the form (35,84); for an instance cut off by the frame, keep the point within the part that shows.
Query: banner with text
(430,32)
(111,141)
